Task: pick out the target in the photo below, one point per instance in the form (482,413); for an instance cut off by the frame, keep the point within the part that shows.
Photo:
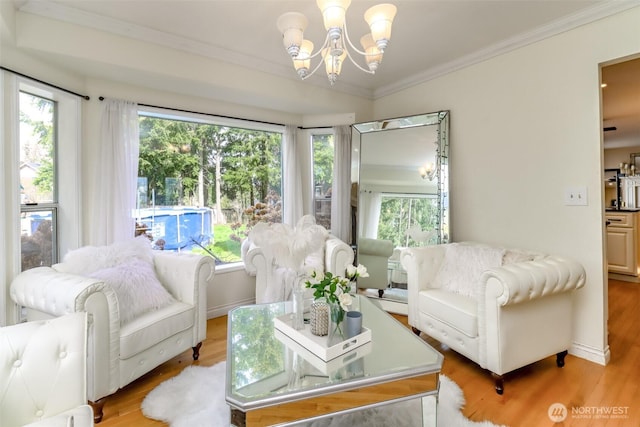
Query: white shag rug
(195,398)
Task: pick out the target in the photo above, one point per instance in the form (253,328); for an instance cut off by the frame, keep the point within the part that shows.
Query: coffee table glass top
(264,367)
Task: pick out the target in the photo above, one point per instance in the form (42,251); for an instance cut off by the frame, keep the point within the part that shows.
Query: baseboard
(223,310)
(591,354)
(624,277)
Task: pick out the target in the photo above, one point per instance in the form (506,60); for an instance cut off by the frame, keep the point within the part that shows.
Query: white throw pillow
(137,288)
(463,265)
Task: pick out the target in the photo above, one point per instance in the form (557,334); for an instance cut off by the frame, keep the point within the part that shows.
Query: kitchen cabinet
(623,256)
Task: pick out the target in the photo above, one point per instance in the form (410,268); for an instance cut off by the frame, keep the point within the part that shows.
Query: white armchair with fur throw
(278,255)
(502,308)
(145,307)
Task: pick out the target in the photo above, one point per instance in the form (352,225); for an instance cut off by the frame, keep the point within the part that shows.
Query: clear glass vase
(336,324)
(297,317)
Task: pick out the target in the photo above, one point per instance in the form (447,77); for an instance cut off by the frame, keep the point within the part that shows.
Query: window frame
(69,177)
(312,189)
(170,114)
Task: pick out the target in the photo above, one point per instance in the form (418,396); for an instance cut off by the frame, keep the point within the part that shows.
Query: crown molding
(586,16)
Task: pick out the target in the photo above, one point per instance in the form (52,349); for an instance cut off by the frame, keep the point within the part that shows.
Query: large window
(202,185)
(322,147)
(38,181)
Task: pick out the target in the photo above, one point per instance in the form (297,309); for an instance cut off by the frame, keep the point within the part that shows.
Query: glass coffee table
(272,380)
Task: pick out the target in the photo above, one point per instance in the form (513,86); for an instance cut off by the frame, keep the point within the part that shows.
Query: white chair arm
(421,265)
(525,281)
(49,291)
(182,273)
(338,255)
(255,259)
(187,276)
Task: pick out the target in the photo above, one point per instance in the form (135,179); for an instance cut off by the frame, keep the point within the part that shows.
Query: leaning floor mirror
(400,189)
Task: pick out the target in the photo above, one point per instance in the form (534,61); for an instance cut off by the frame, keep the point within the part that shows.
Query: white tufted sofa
(510,315)
(118,355)
(43,373)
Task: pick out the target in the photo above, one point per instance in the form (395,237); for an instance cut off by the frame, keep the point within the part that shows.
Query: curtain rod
(224,117)
(205,114)
(46,83)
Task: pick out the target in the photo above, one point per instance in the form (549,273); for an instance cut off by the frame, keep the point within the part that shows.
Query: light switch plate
(575,196)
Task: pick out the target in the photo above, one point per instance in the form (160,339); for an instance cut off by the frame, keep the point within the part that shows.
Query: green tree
(323,154)
(166,148)
(398,214)
(43,151)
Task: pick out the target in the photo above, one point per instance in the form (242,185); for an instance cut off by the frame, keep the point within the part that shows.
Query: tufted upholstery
(521,312)
(118,355)
(258,263)
(43,373)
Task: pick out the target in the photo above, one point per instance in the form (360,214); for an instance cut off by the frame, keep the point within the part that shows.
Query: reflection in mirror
(401,192)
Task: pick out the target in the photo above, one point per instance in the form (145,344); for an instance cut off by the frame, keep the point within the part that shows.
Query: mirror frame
(439,119)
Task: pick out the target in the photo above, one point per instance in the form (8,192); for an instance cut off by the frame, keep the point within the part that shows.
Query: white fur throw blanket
(463,265)
(128,268)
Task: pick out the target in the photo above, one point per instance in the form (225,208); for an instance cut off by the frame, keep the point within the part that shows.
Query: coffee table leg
(430,411)
(238,418)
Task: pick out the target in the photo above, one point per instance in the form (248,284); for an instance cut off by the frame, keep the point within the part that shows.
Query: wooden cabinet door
(621,253)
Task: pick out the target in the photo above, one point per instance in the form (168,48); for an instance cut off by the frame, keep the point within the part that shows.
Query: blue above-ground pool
(180,227)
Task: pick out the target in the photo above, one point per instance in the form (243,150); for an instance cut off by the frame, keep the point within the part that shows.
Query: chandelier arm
(346,36)
(356,64)
(315,69)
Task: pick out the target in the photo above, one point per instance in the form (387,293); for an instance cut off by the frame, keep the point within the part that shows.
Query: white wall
(525,126)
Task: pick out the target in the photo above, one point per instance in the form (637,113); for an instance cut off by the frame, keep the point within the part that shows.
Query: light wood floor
(528,393)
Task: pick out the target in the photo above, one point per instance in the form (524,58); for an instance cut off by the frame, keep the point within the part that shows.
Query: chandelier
(428,171)
(337,45)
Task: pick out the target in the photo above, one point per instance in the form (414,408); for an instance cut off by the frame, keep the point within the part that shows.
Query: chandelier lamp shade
(337,45)
(428,171)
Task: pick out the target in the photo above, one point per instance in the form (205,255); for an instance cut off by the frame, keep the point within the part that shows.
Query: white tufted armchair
(501,308)
(374,254)
(43,373)
(334,256)
(120,353)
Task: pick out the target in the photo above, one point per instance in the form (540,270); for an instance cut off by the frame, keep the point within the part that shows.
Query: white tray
(324,367)
(316,344)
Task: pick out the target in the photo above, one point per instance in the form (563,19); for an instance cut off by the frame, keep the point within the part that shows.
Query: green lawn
(227,241)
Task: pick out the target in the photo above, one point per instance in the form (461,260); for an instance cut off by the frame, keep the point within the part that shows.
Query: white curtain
(369,215)
(292,178)
(116,173)
(341,189)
